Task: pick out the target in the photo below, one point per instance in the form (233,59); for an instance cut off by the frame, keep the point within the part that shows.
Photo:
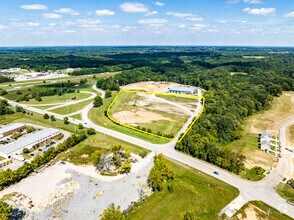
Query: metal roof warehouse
(27,141)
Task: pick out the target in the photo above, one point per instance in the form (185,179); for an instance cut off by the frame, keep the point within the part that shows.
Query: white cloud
(25,24)
(52,16)
(230,2)
(151,13)
(185,16)
(153,22)
(127,28)
(88,23)
(34,7)
(104,12)
(260,11)
(253,1)
(134,7)
(182,26)
(289,15)
(2,27)
(159,3)
(221,21)
(69,31)
(199,26)
(68,11)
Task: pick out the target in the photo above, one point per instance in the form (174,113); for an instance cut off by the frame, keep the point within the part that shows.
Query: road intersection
(249,191)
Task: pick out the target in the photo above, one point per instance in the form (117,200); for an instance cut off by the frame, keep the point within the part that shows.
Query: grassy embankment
(98,117)
(201,195)
(259,210)
(285,191)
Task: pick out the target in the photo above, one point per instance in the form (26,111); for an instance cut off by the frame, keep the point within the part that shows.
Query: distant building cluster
(268,143)
(187,90)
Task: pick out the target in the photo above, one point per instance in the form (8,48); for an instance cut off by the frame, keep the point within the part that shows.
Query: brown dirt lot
(270,120)
(139,115)
(150,86)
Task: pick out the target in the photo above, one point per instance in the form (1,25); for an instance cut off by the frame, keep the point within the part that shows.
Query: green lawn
(77,116)
(59,99)
(80,154)
(285,191)
(98,117)
(72,108)
(6,119)
(194,192)
(261,209)
(38,119)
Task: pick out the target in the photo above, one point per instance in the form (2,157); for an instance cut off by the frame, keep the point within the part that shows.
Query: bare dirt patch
(139,115)
(150,86)
(251,213)
(259,158)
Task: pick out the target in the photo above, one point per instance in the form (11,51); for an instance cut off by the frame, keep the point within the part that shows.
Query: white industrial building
(183,90)
(7,130)
(13,149)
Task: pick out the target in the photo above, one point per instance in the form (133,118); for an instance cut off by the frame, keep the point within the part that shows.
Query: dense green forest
(238,82)
(235,89)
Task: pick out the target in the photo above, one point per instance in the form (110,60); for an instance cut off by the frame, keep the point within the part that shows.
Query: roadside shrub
(91,131)
(80,126)
(143,154)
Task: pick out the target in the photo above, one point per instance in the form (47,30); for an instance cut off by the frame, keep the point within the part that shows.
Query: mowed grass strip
(97,115)
(194,192)
(81,153)
(59,99)
(72,108)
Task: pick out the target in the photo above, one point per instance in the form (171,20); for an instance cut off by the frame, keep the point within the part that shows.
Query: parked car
(32,155)
(215,172)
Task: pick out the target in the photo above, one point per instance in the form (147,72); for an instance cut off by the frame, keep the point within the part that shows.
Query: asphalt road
(262,190)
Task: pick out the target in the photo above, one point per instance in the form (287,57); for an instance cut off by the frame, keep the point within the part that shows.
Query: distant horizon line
(155,45)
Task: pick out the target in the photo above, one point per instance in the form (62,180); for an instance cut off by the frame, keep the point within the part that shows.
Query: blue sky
(146,22)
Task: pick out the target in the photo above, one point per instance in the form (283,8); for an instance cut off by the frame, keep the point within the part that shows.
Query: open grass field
(285,191)
(77,116)
(270,120)
(80,154)
(59,99)
(72,108)
(201,195)
(248,146)
(134,109)
(38,119)
(259,210)
(98,117)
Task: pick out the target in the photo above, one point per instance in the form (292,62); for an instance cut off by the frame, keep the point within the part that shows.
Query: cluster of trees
(112,213)
(160,173)
(5,211)
(4,108)
(119,158)
(8,177)
(4,79)
(98,101)
(157,133)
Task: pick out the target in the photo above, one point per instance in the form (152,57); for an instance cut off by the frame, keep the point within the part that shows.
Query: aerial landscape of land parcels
(147,110)
(124,133)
